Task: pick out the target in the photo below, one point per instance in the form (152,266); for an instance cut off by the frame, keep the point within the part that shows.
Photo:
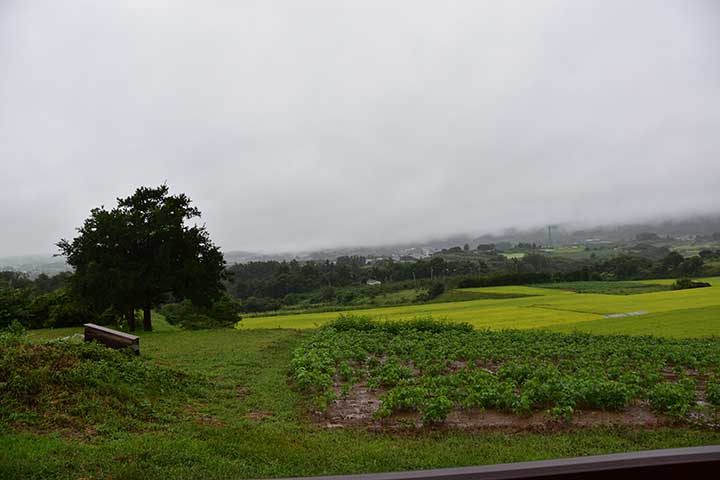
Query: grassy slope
(551,308)
(228,439)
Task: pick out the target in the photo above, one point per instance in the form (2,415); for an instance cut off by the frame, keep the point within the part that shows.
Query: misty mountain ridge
(568,233)
(562,234)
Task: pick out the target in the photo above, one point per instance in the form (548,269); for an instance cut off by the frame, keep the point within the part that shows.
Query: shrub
(221,314)
(712,393)
(672,398)
(259,304)
(13,334)
(685,283)
(436,289)
(60,309)
(292,299)
(14,306)
(563,414)
(388,374)
(436,410)
(604,394)
(405,398)
(346,297)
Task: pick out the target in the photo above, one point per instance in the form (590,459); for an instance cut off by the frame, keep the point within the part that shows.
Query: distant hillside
(563,234)
(34,265)
(567,233)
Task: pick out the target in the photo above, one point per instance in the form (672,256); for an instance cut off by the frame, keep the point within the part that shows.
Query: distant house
(374,282)
(407,259)
(371,260)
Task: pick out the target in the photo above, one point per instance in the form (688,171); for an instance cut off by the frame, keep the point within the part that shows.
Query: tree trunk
(147,319)
(130,314)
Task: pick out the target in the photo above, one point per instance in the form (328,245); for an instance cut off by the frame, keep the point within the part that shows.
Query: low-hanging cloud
(297,125)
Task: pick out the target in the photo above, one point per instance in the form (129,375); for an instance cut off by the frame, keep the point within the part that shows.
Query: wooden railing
(675,463)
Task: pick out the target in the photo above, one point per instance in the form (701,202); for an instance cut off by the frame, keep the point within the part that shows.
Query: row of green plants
(433,367)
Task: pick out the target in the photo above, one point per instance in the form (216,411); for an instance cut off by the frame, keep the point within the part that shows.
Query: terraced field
(682,313)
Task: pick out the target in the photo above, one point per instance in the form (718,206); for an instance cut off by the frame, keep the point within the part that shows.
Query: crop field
(609,288)
(680,313)
(361,371)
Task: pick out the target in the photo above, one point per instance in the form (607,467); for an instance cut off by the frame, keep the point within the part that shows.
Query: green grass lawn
(694,309)
(252,424)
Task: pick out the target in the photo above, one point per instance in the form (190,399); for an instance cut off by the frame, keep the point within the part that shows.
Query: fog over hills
(561,234)
(567,233)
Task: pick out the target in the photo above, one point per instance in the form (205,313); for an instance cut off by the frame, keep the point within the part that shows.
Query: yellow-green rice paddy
(680,313)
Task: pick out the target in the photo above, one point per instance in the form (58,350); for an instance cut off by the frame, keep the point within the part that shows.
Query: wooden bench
(111,338)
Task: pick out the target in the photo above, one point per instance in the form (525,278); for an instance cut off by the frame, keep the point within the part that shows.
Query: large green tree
(142,252)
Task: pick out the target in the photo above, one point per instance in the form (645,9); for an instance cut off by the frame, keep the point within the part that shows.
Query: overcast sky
(306,124)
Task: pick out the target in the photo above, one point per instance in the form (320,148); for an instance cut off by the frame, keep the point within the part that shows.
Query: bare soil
(258,415)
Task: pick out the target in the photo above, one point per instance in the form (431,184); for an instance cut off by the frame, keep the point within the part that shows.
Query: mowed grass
(253,424)
(681,313)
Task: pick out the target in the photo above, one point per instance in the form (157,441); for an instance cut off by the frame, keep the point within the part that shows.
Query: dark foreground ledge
(694,462)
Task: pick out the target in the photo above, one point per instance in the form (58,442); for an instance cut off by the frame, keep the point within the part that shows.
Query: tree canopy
(142,252)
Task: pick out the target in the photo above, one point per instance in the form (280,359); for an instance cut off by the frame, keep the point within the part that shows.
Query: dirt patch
(356,408)
(638,415)
(209,420)
(456,365)
(242,391)
(74,432)
(192,410)
(258,415)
